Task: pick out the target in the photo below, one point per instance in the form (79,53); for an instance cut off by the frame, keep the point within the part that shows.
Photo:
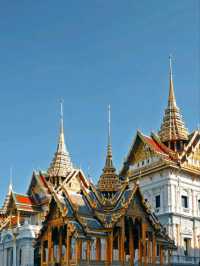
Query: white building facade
(17,246)
(167,167)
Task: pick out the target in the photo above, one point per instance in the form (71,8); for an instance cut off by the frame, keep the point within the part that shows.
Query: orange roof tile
(24,199)
(155,145)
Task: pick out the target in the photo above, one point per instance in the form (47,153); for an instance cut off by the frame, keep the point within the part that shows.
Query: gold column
(121,242)
(161,255)
(77,251)
(68,248)
(109,249)
(144,251)
(18,218)
(131,245)
(49,245)
(98,249)
(154,250)
(149,250)
(88,250)
(60,246)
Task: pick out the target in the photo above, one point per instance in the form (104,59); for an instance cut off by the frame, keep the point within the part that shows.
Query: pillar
(60,246)
(169,257)
(131,245)
(144,253)
(14,252)
(140,252)
(161,255)
(109,249)
(42,253)
(78,248)
(88,252)
(49,245)
(18,218)
(68,248)
(121,242)
(154,250)
(98,249)
(149,254)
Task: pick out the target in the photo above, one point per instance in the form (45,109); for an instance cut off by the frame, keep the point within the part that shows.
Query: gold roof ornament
(61,164)
(109,181)
(173,127)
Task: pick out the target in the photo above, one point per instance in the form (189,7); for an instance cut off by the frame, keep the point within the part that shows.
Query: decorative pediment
(54,212)
(142,153)
(191,155)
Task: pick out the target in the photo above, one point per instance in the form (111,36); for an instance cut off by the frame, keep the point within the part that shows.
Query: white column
(14,253)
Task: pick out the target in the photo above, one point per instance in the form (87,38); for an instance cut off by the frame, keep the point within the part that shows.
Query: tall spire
(11,183)
(109,180)
(173,127)
(109,162)
(171,98)
(61,164)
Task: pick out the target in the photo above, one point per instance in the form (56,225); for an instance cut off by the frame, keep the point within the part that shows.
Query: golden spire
(173,127)
(171,98)
(11,183)
(109,180)
(109,162)
(61,164)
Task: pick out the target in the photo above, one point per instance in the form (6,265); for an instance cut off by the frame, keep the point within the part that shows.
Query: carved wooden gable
(136,209)
(193,157)
(142,153)
(73,183)
(11,205)
(54,212)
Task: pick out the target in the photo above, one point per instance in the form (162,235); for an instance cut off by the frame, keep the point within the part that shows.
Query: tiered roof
(85,212)
(173,127)
(109,181)
(61,164)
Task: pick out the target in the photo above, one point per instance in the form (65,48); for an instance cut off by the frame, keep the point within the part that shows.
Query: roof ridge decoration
(61,164)
(172,127)
(109,182)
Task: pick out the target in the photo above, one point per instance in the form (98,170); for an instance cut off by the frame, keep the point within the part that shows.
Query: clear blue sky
(90,53)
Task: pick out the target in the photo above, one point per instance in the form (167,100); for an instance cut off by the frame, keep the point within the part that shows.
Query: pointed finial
(11,177)
(61,164)
(109,163)
(171,99)
(172,127)
(109,125)
(109,148)
(61,116)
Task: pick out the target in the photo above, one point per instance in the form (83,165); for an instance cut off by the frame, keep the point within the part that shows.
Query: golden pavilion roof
(173,127)
(109,181)
(61,164)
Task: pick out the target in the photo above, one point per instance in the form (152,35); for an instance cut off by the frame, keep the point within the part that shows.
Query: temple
(146,215)
(107,224)
(167,167)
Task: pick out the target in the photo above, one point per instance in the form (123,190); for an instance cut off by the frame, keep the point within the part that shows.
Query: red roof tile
(155,145)
(24,199)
